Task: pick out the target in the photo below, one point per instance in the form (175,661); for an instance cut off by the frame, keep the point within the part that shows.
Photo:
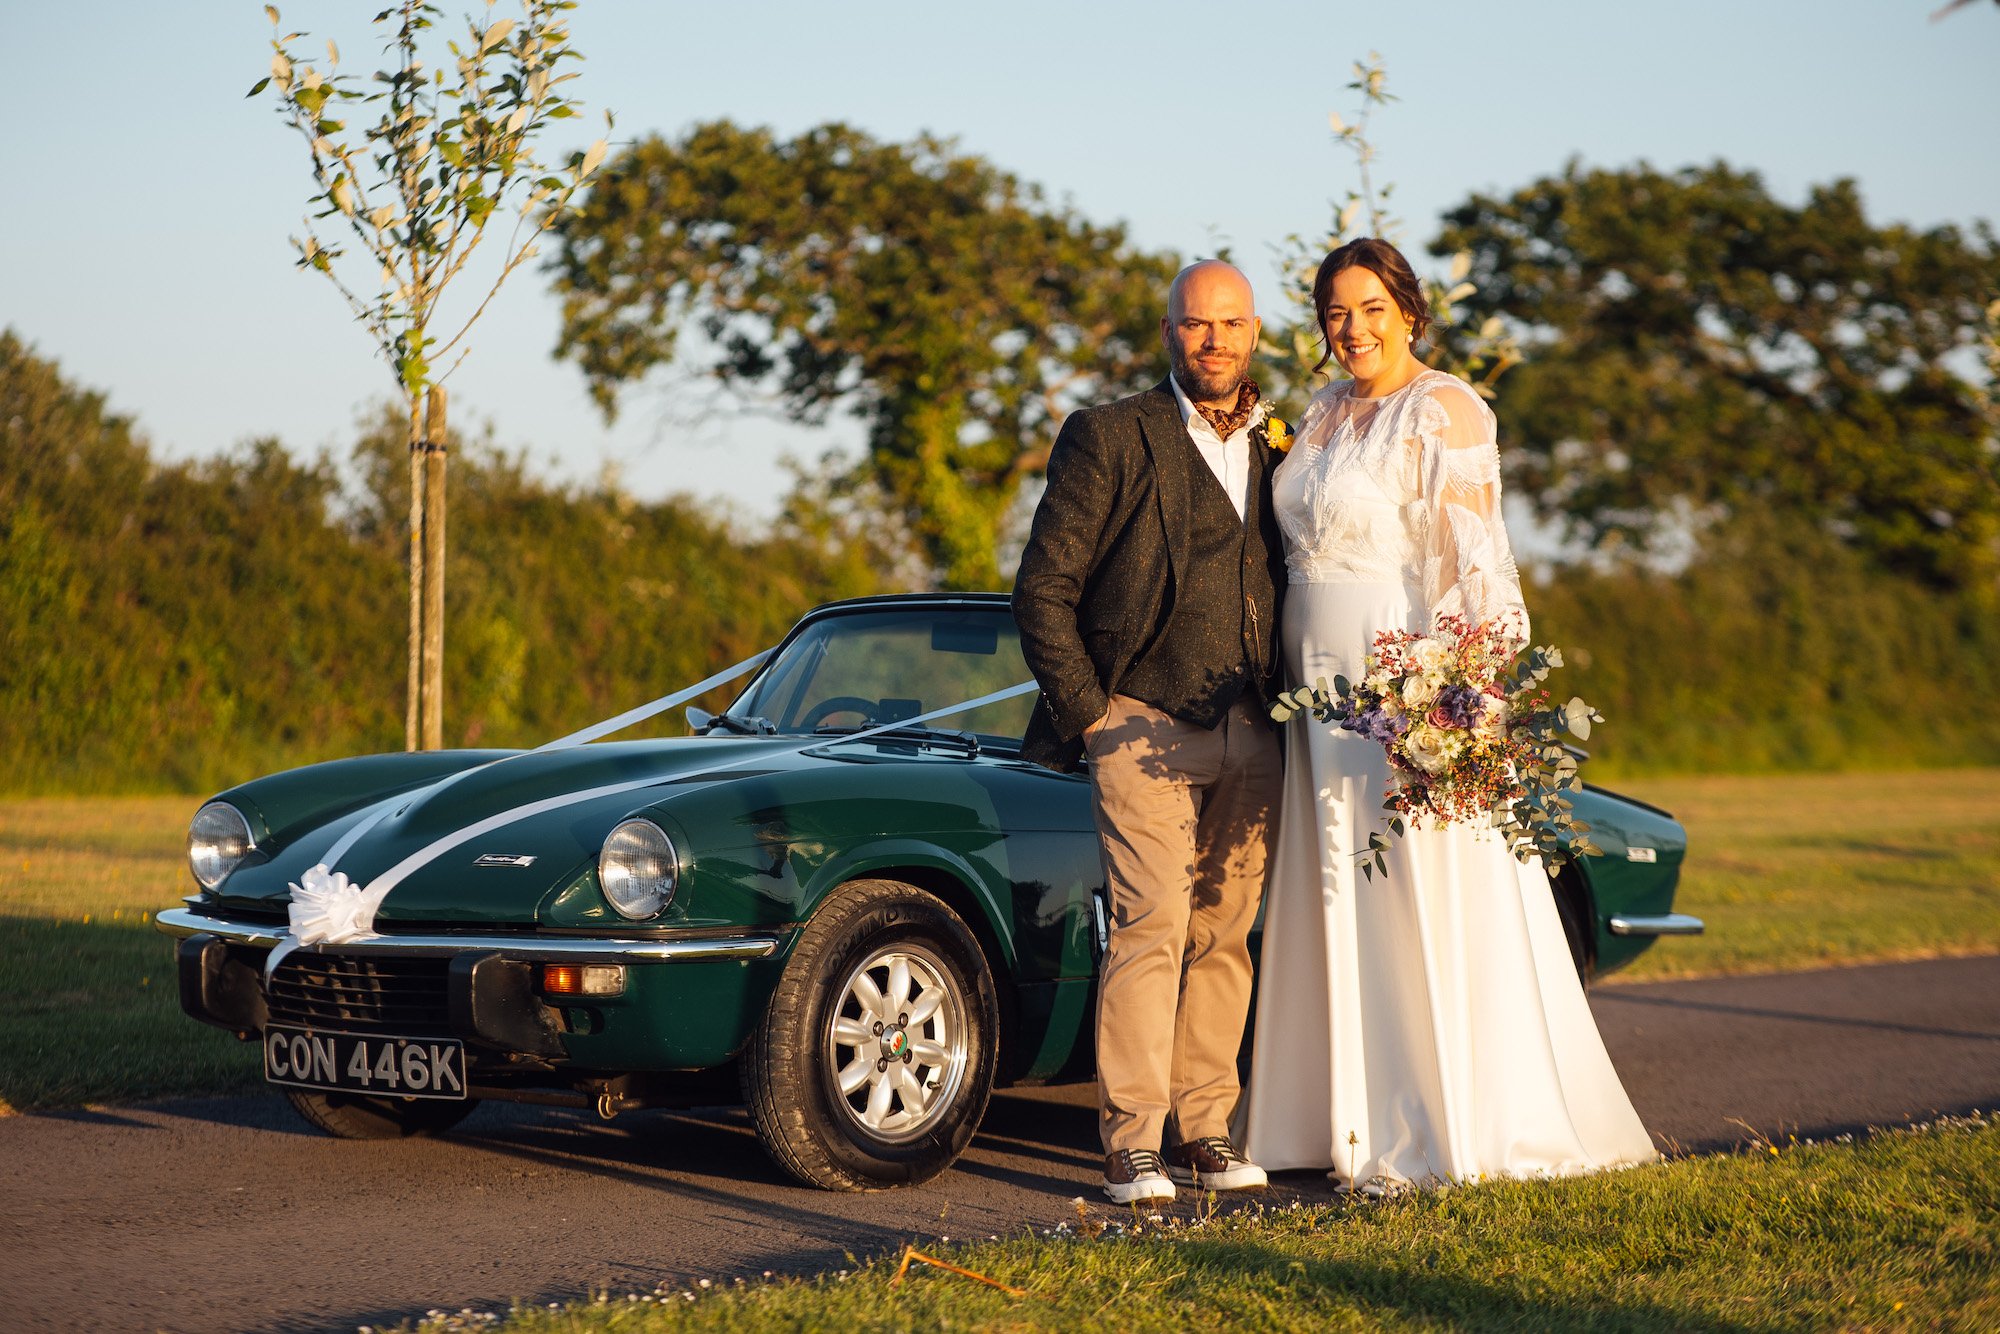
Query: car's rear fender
(1637,874)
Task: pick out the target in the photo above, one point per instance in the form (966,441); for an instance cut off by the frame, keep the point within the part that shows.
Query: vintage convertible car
(858,935)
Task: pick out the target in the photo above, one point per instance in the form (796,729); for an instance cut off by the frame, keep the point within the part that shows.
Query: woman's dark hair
(1385,262)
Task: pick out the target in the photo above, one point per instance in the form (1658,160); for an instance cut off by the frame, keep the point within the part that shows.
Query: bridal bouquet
(1471,734)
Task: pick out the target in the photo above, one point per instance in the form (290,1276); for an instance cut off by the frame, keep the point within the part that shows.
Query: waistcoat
(1219,639)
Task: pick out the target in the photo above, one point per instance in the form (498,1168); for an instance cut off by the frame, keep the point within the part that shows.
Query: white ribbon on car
(328,908)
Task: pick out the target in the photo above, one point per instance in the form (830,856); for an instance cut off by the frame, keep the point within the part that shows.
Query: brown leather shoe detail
(1209,1156)
(1128,1165)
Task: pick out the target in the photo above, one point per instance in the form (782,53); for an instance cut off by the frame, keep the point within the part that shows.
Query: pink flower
(1441,717)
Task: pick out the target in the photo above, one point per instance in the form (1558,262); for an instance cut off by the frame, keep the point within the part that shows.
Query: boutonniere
(1276,434)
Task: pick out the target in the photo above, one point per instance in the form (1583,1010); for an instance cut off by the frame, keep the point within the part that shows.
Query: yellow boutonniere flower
(1278,434)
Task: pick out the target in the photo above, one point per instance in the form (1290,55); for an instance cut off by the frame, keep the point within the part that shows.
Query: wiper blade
(705,722)
(928,736)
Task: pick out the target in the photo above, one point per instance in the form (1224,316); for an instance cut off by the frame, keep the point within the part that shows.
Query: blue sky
(143,241)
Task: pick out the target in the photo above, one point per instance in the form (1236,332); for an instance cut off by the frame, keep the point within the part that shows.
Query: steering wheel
(826,708)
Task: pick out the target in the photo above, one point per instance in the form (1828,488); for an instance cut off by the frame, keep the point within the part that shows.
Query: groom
(1148,604)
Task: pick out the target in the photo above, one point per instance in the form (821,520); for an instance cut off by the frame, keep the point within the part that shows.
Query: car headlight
(638,869)
(218,838)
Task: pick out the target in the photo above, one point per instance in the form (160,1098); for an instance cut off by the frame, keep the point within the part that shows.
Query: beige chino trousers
(1184,821)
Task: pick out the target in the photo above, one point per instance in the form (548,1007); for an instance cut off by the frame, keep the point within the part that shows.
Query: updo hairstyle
(1385,262)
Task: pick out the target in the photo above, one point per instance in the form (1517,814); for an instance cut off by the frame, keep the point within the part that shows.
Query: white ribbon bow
(328,908)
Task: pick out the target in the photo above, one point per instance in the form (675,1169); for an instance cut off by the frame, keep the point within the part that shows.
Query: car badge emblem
(503,859)
(1641,855)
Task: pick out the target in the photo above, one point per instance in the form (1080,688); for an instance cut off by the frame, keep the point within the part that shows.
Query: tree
(1478,353)
(452,147)
(1698,349)
(939,298)
(181,625)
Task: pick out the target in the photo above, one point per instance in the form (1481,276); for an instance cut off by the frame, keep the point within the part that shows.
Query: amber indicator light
(583,979)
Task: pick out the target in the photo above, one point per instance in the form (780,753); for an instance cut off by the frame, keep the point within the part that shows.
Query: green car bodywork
(767,829)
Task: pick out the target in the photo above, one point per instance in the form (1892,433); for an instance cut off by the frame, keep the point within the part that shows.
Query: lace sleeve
(1469,565)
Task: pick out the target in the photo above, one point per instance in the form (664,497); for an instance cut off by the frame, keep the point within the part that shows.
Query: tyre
(357,1116)
(874,1061)
(1572,905)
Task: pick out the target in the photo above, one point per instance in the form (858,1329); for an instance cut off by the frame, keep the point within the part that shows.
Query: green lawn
(1899,1232)
(1805,870)
(88,1001)
(1789,872)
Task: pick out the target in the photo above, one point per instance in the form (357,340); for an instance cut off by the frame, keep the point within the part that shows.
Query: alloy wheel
(897,1043)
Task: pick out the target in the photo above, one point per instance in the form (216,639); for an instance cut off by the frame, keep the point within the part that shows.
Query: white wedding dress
(1426,1026)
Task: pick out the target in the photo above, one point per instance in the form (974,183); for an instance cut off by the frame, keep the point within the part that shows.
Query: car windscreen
(860,669)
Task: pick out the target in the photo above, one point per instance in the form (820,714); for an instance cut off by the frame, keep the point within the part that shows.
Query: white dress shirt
(1228,459)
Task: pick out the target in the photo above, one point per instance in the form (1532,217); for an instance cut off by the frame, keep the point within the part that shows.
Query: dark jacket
(1097,581)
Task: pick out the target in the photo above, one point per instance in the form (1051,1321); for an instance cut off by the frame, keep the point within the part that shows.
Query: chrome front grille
(377,994)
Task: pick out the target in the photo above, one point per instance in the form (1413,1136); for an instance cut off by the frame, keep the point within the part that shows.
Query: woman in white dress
(1426,1026)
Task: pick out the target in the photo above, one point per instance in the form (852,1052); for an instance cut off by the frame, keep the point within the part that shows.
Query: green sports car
(833,902)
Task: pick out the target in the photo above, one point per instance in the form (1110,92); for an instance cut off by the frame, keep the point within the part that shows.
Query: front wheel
(875,1058)
(358,1116)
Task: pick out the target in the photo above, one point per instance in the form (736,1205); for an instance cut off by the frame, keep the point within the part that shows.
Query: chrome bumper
(1668,924)
(182,923)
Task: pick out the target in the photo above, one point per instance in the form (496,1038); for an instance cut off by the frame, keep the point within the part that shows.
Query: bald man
(1148,603)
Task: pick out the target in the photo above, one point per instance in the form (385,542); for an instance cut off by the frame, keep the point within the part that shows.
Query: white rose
(1428,748)
(1420,692)
(1491,724)
(1428,654)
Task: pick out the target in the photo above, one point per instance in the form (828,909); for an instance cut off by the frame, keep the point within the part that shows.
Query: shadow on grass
(1409,1290)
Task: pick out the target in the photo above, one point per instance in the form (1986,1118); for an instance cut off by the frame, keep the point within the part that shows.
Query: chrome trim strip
(176,922)
(1669,924)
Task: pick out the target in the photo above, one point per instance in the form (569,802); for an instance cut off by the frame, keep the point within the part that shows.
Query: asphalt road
(229,1214)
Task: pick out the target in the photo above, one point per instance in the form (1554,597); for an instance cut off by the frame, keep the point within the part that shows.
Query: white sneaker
(1132,1176)
(1213,1163)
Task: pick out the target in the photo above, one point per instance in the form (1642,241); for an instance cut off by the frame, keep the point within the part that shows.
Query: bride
(1427,1026)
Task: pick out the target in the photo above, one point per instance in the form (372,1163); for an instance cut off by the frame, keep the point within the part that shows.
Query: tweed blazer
(1096,582)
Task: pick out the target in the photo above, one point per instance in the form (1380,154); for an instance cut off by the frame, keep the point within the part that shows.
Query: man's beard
(1205,386)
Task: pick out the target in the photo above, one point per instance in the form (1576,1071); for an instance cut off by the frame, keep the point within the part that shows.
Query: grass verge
(1900,1231)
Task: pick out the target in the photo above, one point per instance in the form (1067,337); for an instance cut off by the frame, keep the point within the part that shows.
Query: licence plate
(365,1063)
